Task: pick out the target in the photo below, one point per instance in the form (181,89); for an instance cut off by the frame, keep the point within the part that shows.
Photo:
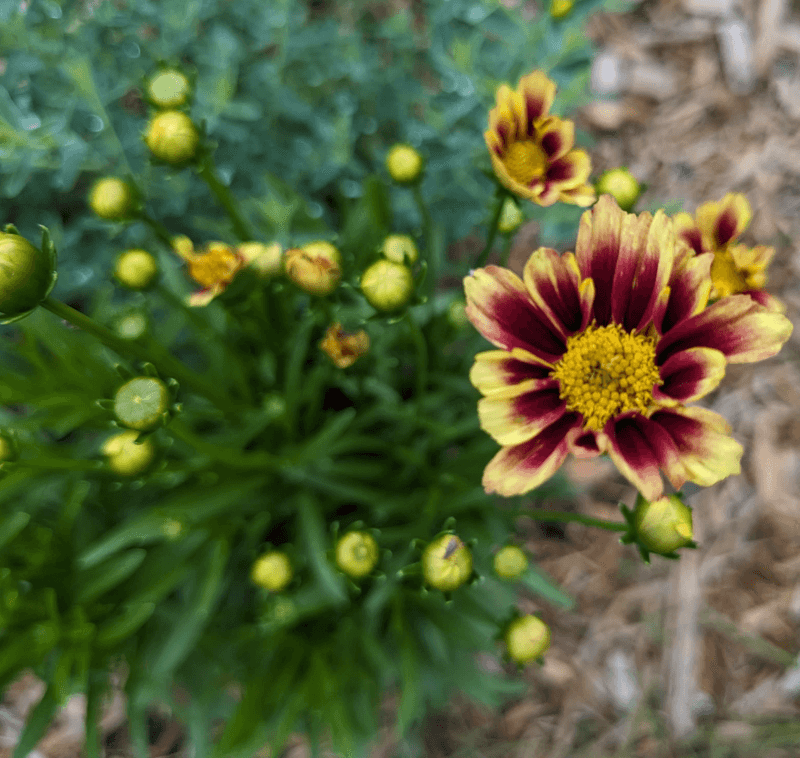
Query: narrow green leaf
(539,582)
(133,616)
(112,572)
(313,531)
(12,526)
(37,723)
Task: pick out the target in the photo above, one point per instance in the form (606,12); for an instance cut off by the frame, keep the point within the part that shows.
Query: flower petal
(687,229)
(203,297)
(501,371)
(690,375)
(537,93)
(556,136)
(518,469)
(512,420)
(725,220)
(569,170)
(690,287)
(583,195)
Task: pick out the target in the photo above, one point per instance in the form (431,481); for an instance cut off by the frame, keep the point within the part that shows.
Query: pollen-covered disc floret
(607,371)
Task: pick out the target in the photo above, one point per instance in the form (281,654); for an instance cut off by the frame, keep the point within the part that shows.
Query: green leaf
(122,626)
(112,572)
(38,722)
(539,582)
(313,536)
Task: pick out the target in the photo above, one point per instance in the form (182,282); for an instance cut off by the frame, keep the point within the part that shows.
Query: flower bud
(560,8)
(8,448)
(112,199)
(404,164)
(457,314)
(344,348)
(357,554)
(510,216)
(510,562)
(141,403)
(664,525)
(132,325)
(136,269)
(272,571)
(172,137)
(316,267)
(446,563)
(125,457)
(27,275)
(168,89)
(621,185)
(400,248)
(267,260)
(527,637)
(387,285)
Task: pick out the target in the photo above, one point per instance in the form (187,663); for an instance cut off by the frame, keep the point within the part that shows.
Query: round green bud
(527,637)
(387,285)
(172,137)
(404,164)
(664,525)
(621,185)
(400,248)
(457,314)
(446,563)
(136,269)
(510,562)
(272,571)
(141,402)
(356,554)
(112,199)
(132,325)
(560,8)
(168,89)
(26,275)
(125,457)
(510,216)
(8,449)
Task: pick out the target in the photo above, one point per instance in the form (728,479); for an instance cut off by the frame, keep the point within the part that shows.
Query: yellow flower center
(525,161)
(217,266)
(725,276)
(607,371)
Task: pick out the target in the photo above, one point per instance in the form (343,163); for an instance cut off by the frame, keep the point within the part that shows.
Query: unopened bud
(400,248)
(168,89)
(510,216)
(316,267)
(26,275)
(267,260)
(446,563)
(112,199)
(621,185)
(387,285)
(125,457)
(663,525)
(404,164)
(527,637)
(136,269)
(457,314)
(272,571)
(132,325)
(172,137)
(357,554)
(8,448)
(141,403)
(510,562)
(560,8)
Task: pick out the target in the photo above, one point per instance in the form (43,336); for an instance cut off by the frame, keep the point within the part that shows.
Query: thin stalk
(55,464)
(226,200)
(158,228)
(506,250)
(421,348)
(493,226)
(565,517)
(427,235)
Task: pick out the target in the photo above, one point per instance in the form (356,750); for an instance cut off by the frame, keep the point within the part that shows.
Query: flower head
(316,267)
(736,268)
(387,285)
(172,137)
(136,269)
(168,89)
(601,352)
(531,151)
(510,562)
(357,554)
(127,458)
(527,637)
(344,348)
(404,164)
(446,563)
(272,571)
(214,268)
(112,199)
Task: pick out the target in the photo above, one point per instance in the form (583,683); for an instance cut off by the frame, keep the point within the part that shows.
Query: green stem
(226,199)
(506,250)
(421,347)
(55,464)
(158,228)
(431,255)
(146,350)
(493,226)
(565,517)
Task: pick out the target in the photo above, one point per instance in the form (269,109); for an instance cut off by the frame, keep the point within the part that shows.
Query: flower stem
(54,464)
(495,222)
(506,250)
(146,350)
(158,228)
(431,254)
(539,514)
(421,347)
(226,199)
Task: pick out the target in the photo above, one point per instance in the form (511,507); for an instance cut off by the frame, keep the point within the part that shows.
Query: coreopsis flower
(266,260)
(527,637)
(532,152)
(603,350)
(112,198)
(125,457)
(316,267)
(168,89)
(272,571)
(387,285)
(357,554)
(344,348)
(214,268)
(510,562)
(172,137)
(663,525)
(621,184)
(404,164)
(136,269)
(446,563)
(736,268)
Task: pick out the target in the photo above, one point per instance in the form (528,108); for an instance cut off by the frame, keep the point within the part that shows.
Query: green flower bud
(400,248)
(112,199)
(356,554)
(132,325)
(387,285)
(272,571)
(446,563)
(27,273)
(125,457)
(172,137)
(457,314)
(560,8)
(510,216)
(8,448)
(527,637)
(168,89)
(404,164)
(136,269)
(621,185)
(141,403)
(510,562)
(664,525)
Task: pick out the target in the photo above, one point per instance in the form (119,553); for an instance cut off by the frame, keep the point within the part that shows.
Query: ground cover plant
(256,469)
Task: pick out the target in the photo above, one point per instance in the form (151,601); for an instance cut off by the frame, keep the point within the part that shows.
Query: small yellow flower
(141,403)
(214,268)
(26,275)
(272,571)
(172,137)
(267,260)
(560,8)
(663,525)
(316,267)
(344,348)
(112,199)
(621,185)
(510,562)
(404,164)
(510,217)
(136,269)
(387,285)
(125,457)
(357,554)
(168,89)
(527,637)
(400,248)
(446,563)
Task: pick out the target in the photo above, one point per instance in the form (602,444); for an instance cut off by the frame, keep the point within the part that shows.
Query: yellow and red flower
(344,348)
(601,351)
(736,268)
(532,152)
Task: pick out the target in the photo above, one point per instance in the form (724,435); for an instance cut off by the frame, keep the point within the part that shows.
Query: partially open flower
(404,163)
(266,260)
(510,562)
(214,268)
(527,637)
(510,216)
(125,457)
(27,274)
(663,525)
(316,267)
(387,285)
(136,269)
(141,403)
(112,199)
(272,571)
(446,563)
(621,185)
(400,248)
(168,89)
(357,554)
(532,152)
(172,137)
(344,348)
